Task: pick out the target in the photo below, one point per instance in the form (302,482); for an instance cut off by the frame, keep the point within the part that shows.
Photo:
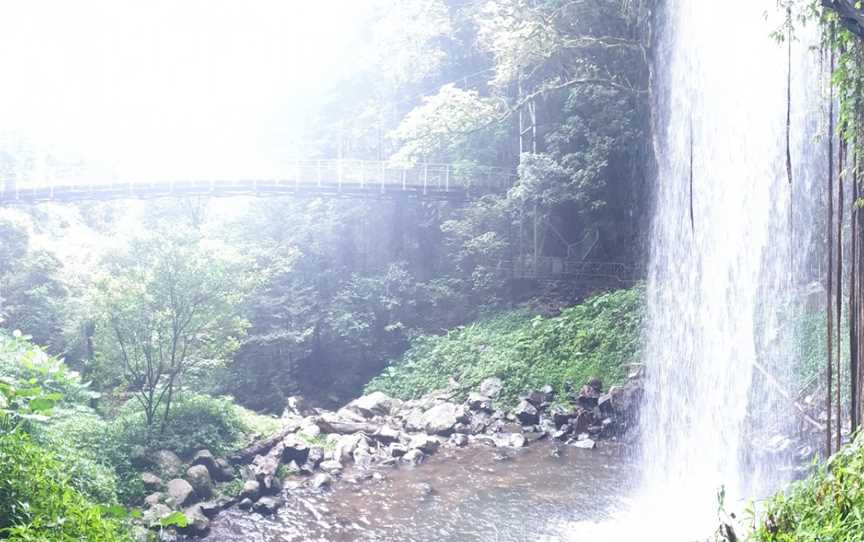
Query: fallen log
(262,446)
(802,413)
(330,423)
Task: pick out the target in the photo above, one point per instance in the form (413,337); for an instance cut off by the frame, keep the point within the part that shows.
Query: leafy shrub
(826,506)
(37,502)
(596,338)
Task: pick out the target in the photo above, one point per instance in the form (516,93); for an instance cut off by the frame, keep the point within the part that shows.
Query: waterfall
(724,257)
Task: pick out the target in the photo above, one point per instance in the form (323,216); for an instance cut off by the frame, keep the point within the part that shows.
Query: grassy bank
(598,338)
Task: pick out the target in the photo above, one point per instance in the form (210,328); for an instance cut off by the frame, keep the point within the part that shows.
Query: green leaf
(42,404)
(174,519)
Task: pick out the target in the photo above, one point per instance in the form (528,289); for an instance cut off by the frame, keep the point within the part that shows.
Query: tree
(167,310)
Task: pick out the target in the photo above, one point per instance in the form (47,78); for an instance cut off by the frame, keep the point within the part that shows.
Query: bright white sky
(168,87)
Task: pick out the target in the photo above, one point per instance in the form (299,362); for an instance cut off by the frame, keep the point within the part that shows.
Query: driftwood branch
(802,413)
(262,446)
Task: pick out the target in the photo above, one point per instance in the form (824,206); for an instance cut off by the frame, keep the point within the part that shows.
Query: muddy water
(477,494)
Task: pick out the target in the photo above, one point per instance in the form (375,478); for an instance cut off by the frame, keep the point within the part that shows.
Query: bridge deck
(325,178)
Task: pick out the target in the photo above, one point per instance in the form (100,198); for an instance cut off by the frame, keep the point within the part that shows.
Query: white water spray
(723,251)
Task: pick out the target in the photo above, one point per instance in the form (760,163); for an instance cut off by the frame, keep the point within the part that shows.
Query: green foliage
(596,338)
(828,505)
(38,503)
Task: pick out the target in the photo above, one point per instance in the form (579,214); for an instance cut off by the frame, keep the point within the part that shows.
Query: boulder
(167,463)
(222,471)
(294,449)
(413,457)
(180,492)
(321,480)
(140,457)
(440,419)
(396,449)
(491,387)
(585,444)
(296,406)
(151,481)
(414,420)
(362,458)
(315,456)
(267,506)
(458,440)
(479,402)
(153,499)
(345,446)
(386,434)
(509,440)
(581,421)
(197,523)
(526,413)
(154,514)
(310,428)
(374,404)
(590,393)
(199,478)
(331,466)
(251,490)
(334,423)
(549,393)
(424,443)
(204,457)
(536,397)
(246,504)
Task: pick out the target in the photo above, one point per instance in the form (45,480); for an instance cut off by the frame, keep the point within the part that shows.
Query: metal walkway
(330,178)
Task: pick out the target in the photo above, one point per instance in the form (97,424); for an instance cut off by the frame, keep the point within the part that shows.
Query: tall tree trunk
(841,160)
(829,377)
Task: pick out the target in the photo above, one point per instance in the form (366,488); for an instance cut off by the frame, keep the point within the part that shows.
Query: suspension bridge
(362,179)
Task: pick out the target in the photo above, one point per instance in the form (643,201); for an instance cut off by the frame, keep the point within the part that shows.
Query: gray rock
(204,457)
(197,523)
(331,466)
(180,492)
(440,419)
(526,413)
(153,498)
(374,404)
(212,508)
(491,387)
(386,434)
(585,444)
(140,457)
(458,439)
(315,456)
(535,397)
(413,457)
(151,481)
(362,458)
(251,490)
(246,504)
(310,428)
(561,416)
(296,449)
(167,463)
(222,471)
(424,489)
(396,449)
(424,443)
(267,505)
(479,402)
(345,446)
(414,420)
(199,478)
(155,513)
(509,440)
(321,480)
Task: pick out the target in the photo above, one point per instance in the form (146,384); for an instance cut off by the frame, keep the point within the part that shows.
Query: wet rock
(246,504)
(151,481)
(440,419)
(561,416)
(310,428)
(153,498)
(204,457)
(424,443)
(581,422)
(413,457)
(179,491)
(509,440)
(396,449)
(167,463)
(458,439)
(533,436)
(526,413)
(251,490)
(345,446)
(536,397)
(585,444)
(197,523)
(315,456)
(424,489)
(491,387)
(199,478)
(414,420)
(295,449)
(386,434)
(479,402)
(462,428)
(155,513)
(604,403)
(211,508)
(374,404)
(479,423)
(555,452)
(222,471)
(331,466)
(362,458)
(548,393)
(267,506)
(590,393)
(321,480)
(296,405)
